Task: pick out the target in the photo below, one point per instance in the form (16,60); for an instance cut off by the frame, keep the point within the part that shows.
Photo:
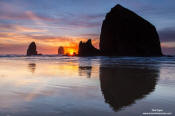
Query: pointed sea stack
(87,49)
(124,33)
(31,49)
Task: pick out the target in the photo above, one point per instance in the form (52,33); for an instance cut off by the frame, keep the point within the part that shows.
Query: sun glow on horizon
(71,52)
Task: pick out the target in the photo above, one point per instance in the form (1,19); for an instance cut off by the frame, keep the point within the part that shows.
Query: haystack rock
(124,33)
(87,49)
(31,49)
(61,50)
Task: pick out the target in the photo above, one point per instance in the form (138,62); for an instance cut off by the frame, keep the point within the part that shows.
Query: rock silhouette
(61,50)
(121,86)
(87,49)
(31,49)
(124,33)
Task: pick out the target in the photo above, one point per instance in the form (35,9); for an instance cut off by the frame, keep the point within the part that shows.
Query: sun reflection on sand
(31,80)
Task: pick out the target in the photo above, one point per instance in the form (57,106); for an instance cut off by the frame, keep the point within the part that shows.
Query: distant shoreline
(56,55)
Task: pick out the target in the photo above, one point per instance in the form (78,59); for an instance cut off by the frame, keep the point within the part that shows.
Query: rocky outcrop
(124,33)
(31,49)
(87,49)
(61,50)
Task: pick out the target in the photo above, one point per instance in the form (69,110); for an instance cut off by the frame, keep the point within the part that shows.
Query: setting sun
(71,51)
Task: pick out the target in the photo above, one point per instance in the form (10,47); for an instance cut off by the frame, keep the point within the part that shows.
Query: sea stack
(61,50)
(87,49)
(124,33)
(31,49)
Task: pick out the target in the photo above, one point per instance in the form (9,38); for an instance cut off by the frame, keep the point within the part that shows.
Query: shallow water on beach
(90,86)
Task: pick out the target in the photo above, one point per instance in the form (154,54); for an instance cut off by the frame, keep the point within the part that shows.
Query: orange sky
(15,38)
(51,24)
(17,42)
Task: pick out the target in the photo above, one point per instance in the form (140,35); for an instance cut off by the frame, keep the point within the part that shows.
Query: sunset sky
(53,23)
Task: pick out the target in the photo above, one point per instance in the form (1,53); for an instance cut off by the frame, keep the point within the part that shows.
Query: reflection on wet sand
(122,86)
(32,67)
(85,71)
(85,68)
(57,89)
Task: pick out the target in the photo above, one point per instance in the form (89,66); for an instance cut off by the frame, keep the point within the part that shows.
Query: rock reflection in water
(85,71)
(122,86)
(85,68)
(32,67)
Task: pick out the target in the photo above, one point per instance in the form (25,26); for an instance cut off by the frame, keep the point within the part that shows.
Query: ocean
(54,85)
